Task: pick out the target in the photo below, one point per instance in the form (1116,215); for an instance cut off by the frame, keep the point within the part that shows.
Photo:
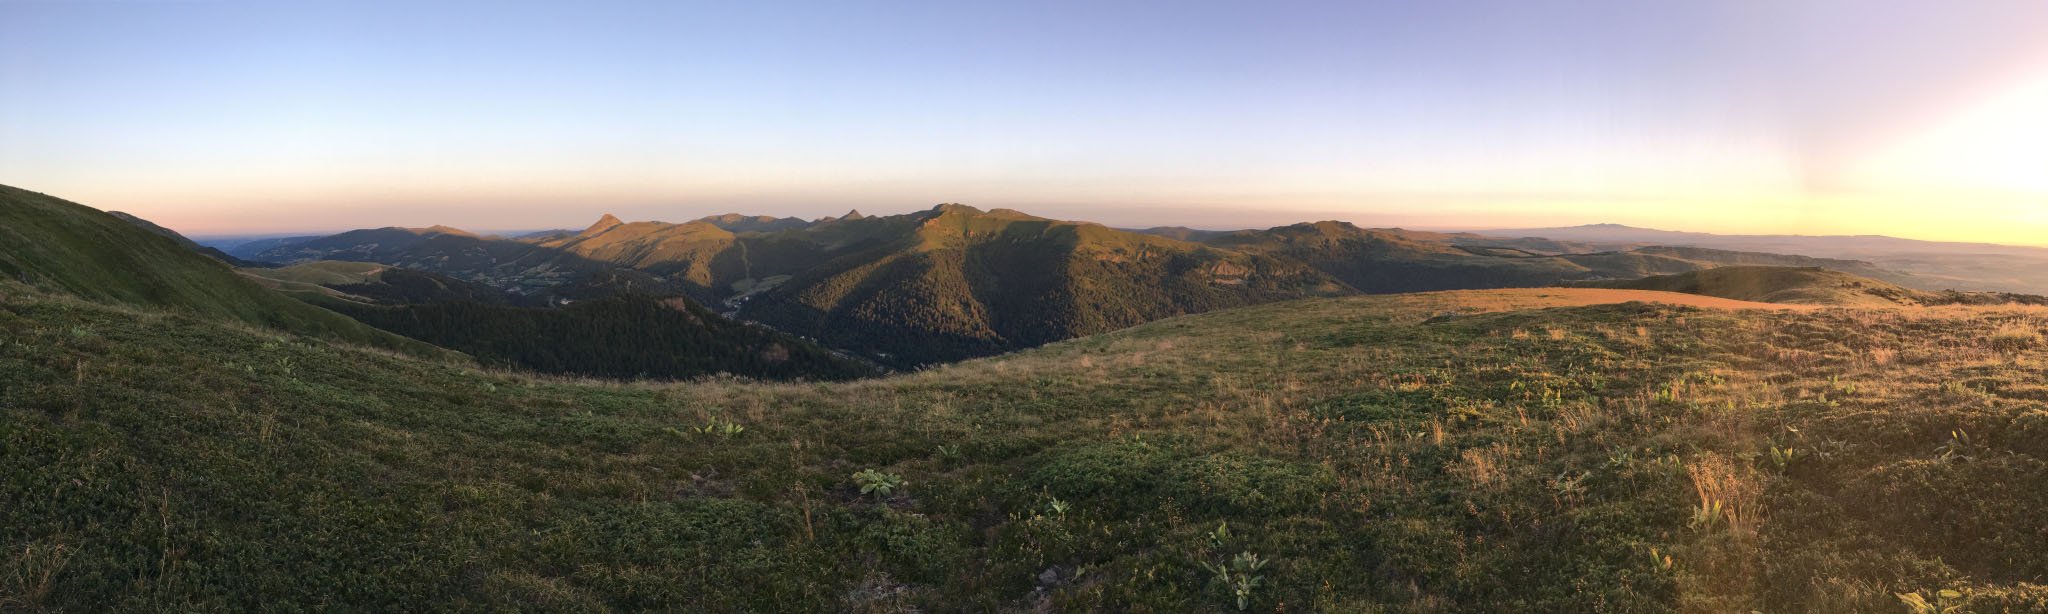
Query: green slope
(1553,458)
(698,254)
(181,240)
(1792,285)
(1376,260)
(323,272)
(55,245)
(368,282)
(962,283)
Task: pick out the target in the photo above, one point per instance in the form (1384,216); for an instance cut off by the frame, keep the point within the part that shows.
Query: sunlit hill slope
(1538,451)
(55,245)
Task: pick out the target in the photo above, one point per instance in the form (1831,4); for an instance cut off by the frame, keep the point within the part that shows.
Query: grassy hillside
(324,272)
(1793,285)
(1922,265)
(699,254)
(182,241)
(1394,260)
(965,282)
(55,245)
(1533,452)
(369,282)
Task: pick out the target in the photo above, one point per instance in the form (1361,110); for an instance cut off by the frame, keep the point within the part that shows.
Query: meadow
(1517,450)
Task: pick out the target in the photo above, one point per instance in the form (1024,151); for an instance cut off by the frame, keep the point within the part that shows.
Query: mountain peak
(955,208)
(740,222)
(1013,214)
(854,214)
(438,229)
(605,223)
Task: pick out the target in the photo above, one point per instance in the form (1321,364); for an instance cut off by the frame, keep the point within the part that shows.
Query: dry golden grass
(1384,457)
(2015,335)
(1521,299)
(1725,495)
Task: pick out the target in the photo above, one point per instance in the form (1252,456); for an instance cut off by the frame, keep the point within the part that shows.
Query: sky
(1923,119)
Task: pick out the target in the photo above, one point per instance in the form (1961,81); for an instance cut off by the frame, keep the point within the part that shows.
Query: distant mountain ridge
(734,222)
(896,286)
(1930,265)
(248,249)
(1180,233)
(955,281)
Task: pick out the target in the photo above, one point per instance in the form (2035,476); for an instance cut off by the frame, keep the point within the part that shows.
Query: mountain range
(51,245)
(956,282)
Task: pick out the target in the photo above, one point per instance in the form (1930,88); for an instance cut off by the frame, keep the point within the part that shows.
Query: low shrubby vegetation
(1487,451)
(1809,285)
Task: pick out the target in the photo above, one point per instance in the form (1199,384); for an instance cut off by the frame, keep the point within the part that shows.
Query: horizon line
(511,232)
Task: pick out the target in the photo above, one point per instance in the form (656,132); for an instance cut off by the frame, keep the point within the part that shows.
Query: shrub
(879,484)
(722,429)
(2014,336)
(1247,485)
(913,547)
(1116,471)
(1240,577)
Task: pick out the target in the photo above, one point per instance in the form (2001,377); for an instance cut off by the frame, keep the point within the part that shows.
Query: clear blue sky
(1729,115)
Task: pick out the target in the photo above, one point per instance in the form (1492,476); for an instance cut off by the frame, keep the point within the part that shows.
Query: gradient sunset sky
(1918,119)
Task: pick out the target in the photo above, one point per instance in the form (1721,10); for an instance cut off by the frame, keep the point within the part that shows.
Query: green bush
(913,548)
(1124,473)
(1247,486)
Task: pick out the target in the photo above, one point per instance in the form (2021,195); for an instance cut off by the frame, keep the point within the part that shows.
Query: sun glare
(1998,144)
